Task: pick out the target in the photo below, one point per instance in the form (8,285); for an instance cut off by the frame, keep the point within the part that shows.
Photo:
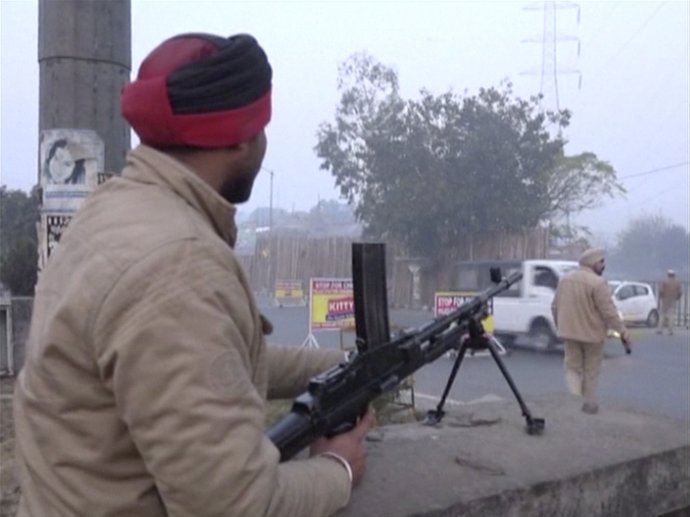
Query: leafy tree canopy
(441,168)
(579,182)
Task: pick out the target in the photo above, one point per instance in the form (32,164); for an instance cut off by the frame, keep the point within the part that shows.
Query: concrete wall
(481,462)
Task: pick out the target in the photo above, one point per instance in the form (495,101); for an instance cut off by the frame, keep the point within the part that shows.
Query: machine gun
(337,397)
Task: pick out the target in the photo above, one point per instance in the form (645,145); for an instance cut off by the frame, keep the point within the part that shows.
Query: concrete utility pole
(84,55)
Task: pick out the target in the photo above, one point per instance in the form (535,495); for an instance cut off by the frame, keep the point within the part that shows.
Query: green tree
(578,183)
(434,171)
(648,246)
(19,214)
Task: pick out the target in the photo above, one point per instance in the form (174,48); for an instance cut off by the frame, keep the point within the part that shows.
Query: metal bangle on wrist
(337,457)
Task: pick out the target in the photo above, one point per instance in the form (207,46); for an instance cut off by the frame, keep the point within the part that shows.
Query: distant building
(327,219)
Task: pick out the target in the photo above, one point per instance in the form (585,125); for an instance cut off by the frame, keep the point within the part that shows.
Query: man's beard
(237,190)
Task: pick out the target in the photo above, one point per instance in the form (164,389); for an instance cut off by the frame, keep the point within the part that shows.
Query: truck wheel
(541,336)
(653,318)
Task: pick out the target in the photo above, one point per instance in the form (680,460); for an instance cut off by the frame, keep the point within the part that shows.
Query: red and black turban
(200,90)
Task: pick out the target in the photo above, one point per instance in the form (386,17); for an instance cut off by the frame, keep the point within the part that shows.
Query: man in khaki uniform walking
(583,311)
(670,292)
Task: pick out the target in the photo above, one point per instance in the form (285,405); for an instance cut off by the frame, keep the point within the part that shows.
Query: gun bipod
(477,340)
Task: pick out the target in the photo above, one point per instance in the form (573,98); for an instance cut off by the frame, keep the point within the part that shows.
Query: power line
(659,169)
(638,31)
(649,198)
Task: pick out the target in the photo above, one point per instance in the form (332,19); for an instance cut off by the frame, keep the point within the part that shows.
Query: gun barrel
(443,322)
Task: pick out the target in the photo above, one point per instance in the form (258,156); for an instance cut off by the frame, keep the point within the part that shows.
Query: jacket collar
(147,165)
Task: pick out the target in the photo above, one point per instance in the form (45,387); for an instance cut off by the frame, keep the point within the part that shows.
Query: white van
(522,314)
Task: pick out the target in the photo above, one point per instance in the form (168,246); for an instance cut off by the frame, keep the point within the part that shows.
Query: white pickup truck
(523,312)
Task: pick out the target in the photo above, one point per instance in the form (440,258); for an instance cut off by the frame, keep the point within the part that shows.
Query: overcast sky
(632,108)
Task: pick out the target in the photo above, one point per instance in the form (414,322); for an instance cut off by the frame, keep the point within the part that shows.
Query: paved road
(655,379)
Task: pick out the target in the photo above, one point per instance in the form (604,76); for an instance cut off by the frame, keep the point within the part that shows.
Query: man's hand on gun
(347,446)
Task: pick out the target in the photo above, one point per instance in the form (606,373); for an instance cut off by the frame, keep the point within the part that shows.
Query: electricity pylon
(549,40)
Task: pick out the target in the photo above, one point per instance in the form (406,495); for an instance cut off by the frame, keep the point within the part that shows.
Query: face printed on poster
(71,160)
(65,163)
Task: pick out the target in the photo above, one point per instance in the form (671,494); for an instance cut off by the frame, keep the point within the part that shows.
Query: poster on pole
(55,225)
(70,163)
(71,166)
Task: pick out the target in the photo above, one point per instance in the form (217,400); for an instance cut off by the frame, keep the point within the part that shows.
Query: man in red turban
(147,370)
(202,92)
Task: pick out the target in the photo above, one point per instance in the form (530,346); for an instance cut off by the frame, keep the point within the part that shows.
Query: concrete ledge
(481,462)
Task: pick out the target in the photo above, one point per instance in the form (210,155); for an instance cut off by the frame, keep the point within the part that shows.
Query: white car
(635,301)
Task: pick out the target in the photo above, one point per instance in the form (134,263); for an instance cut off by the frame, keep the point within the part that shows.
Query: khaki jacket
(147,372)
(670,292)
(583,309)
